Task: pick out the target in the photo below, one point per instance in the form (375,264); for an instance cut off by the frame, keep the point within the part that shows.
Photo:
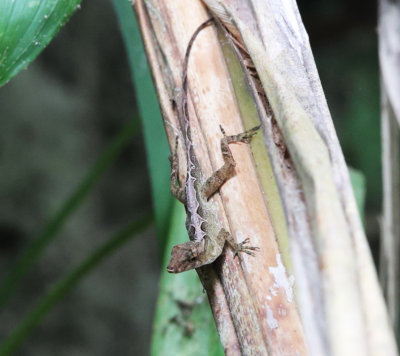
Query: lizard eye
(190,256)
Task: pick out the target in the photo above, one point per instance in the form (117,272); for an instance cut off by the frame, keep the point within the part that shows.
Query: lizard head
(184,257)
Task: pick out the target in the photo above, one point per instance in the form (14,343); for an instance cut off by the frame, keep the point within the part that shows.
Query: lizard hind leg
(176,190)
(220,176)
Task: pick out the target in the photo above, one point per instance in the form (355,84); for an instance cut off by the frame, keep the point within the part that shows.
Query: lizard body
(207,238)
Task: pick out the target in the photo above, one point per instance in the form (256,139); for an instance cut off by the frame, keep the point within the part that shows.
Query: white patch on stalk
(281,280)
(271,321)
(273,291)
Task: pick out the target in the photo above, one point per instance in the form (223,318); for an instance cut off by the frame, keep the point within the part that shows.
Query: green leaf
(64,286)
(26,28)
(183,324)
(154,134)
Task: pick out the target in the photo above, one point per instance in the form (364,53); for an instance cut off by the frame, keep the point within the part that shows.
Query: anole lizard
(207,238)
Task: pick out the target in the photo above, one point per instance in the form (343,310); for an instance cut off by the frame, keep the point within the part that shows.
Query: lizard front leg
(228,169)
(237,247)
(193,254)
(176,190)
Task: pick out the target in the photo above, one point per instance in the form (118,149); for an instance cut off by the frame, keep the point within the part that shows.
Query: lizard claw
(244,137)
(244,247)
(248,135)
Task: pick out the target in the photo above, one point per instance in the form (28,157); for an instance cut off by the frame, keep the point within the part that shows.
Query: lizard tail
(189,48)
(184,76)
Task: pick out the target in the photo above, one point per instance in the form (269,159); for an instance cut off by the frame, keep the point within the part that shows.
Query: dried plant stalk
(389,57)
(246,285)
(341,308)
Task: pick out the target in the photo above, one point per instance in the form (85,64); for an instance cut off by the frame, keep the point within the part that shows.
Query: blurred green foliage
(37,247)
(358,183)
(345,50)
(9,345)
(26,27)
(155,139)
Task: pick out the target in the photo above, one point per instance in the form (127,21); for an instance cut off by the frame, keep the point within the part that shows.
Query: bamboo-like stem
(353,319)
(259,324)
(390,229)
(337,294)
(389,56)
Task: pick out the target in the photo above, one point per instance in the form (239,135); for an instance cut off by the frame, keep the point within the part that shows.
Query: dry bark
(319,237)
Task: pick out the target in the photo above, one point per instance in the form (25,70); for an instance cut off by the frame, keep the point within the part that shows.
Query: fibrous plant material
(389,57)
(337,308)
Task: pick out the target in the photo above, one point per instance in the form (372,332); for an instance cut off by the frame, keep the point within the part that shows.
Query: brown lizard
(207,238)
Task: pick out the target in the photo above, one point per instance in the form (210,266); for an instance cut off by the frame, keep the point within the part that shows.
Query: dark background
(60,114)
